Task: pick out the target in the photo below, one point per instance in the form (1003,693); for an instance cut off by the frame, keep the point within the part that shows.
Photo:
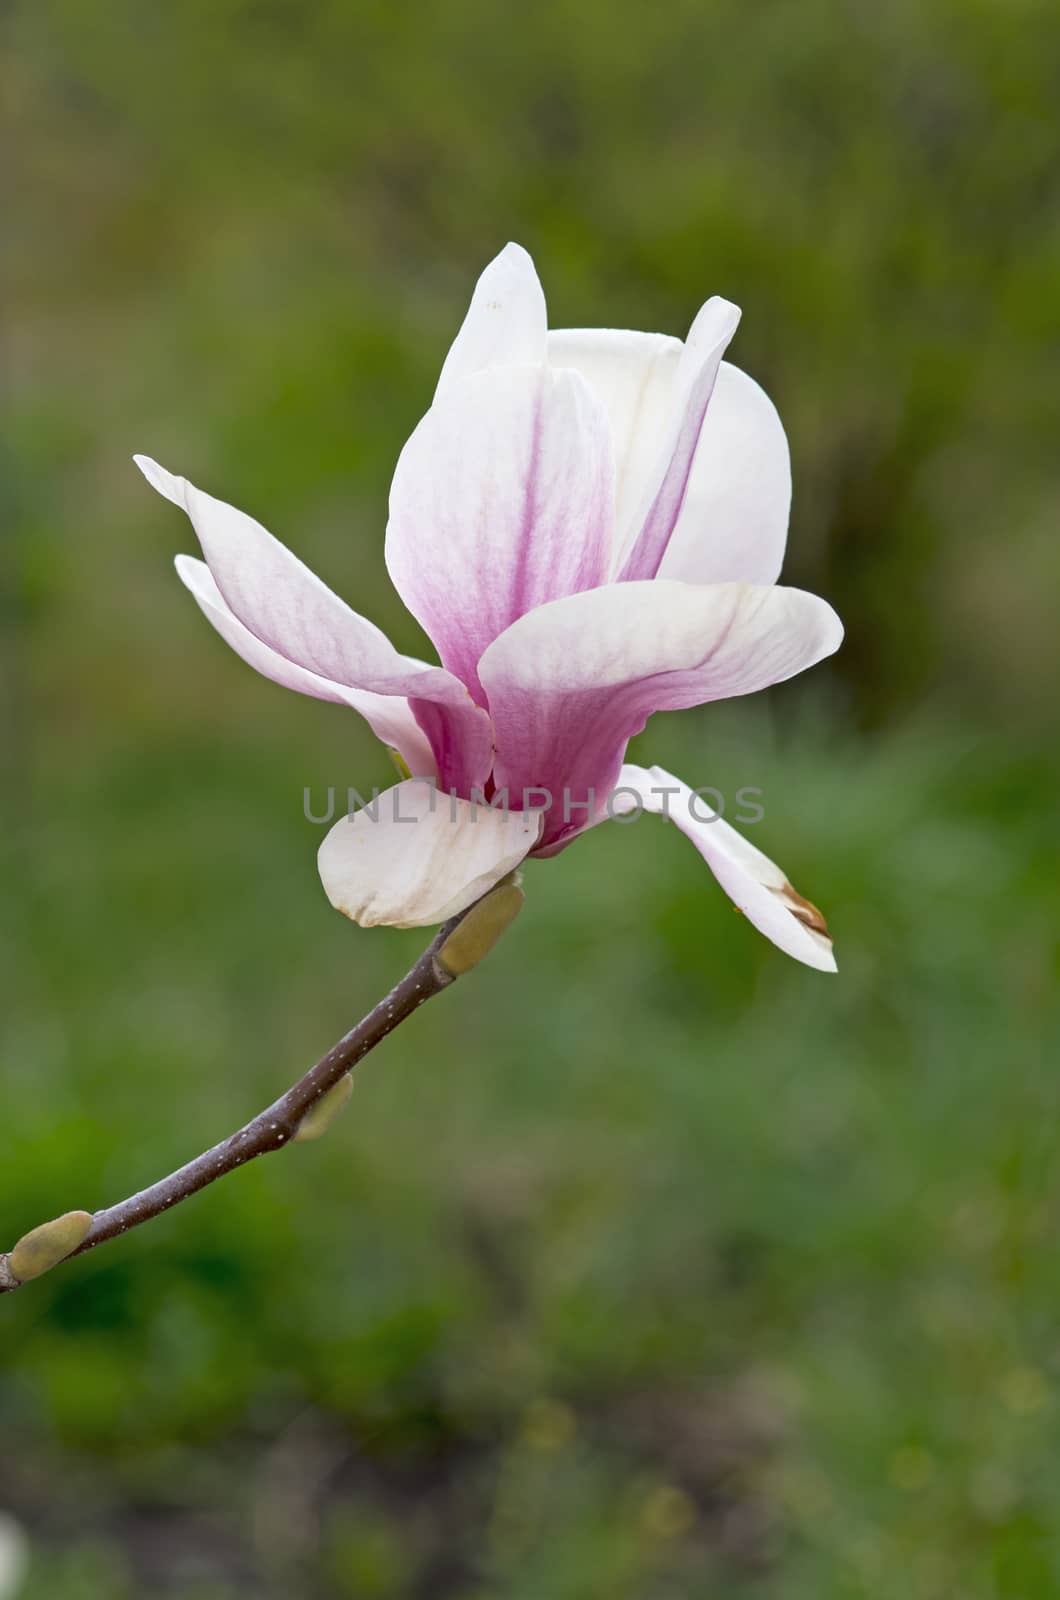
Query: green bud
(473,940)
(44,1247)
(319,1117)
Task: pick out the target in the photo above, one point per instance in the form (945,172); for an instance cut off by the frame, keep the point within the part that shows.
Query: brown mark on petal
(803,910)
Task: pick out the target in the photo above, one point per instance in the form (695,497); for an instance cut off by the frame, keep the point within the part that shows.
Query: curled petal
(287,607)
(416,856)
(389,716)
(505,324)
(733,522)
(754,883)
(693,386)
(634,375)
(279,599)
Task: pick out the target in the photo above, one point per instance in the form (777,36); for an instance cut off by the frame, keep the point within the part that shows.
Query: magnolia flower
(589,525)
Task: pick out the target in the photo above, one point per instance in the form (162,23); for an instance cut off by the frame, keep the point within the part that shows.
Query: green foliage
(643,1264)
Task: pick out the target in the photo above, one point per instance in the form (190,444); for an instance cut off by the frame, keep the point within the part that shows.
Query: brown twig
(276,1126)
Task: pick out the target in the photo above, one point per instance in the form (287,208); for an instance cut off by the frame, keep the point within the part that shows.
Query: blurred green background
(645,1265)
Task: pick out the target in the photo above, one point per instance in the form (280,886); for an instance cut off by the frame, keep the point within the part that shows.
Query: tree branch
(277,1126)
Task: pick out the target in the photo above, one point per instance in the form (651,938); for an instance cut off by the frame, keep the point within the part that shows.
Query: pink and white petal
(571,683)
(502,500)
(733,522)
(634,375)
(285,605)
(754,883)
(697,372)
(278,598)
(415,856)
(505,324)
(389,716)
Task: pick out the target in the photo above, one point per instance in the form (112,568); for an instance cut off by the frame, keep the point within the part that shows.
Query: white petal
(416,856)
(170,487)
(634,375)
(506,321)
(753,882)
(733,523)
(388,716)
(719,639)
(502,500)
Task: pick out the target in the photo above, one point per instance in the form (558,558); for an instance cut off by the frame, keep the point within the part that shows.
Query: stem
(277,1125)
